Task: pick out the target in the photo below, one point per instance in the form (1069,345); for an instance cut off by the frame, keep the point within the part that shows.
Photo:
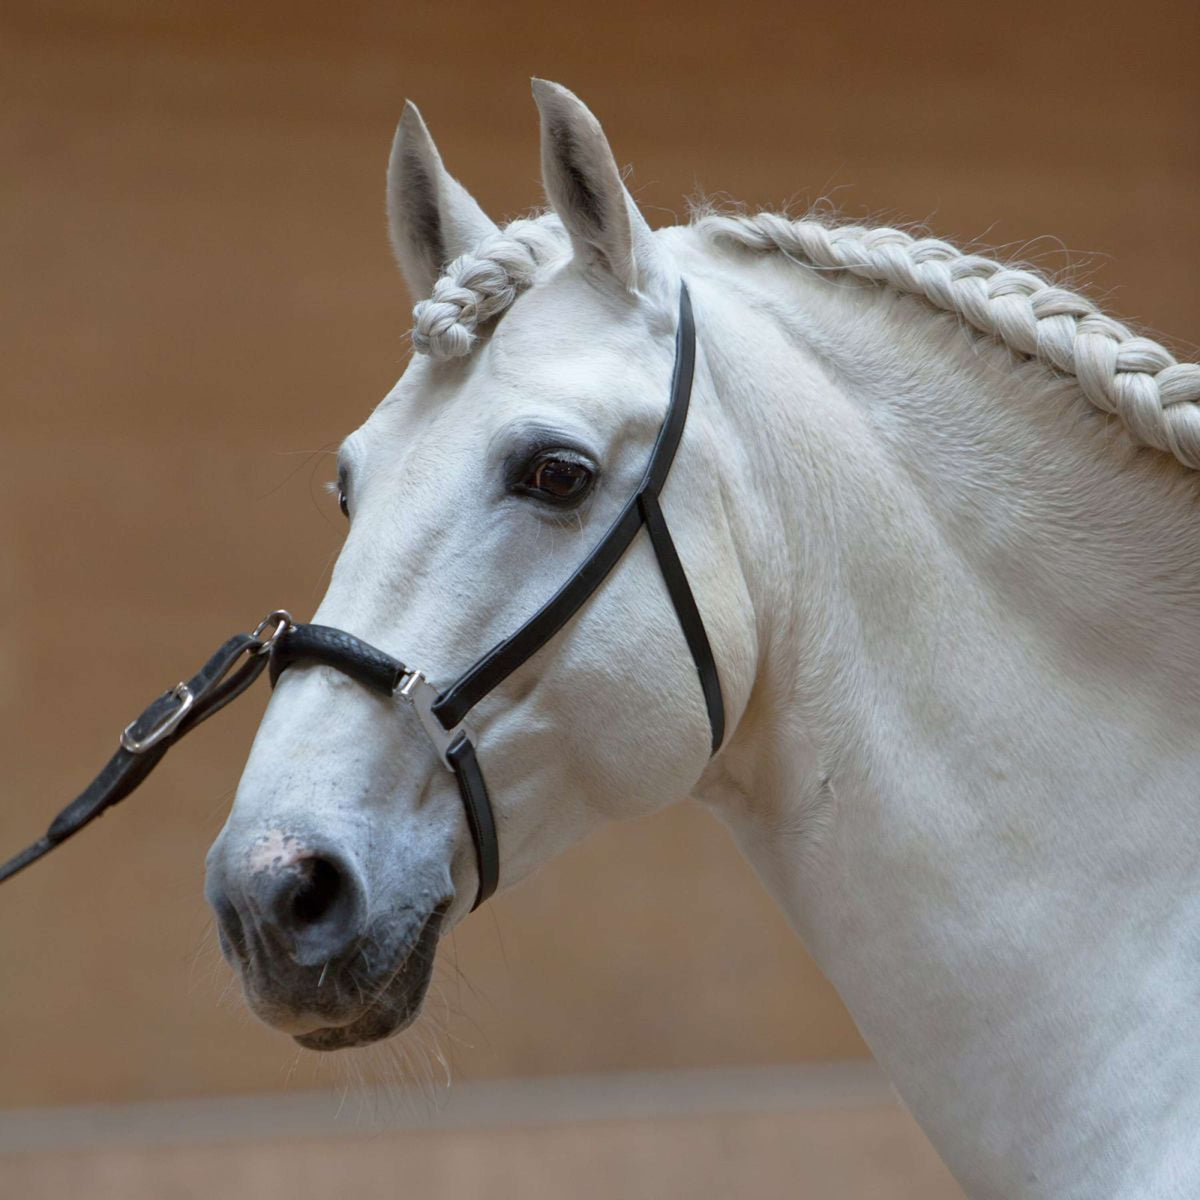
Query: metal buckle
(164,728)
(421,694)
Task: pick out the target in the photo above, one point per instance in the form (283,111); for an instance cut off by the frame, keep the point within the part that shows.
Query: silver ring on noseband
(281,619)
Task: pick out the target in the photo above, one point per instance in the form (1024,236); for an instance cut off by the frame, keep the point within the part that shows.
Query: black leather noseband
(442,714)
(380,673)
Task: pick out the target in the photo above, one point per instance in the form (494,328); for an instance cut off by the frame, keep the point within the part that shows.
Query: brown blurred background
(198,303)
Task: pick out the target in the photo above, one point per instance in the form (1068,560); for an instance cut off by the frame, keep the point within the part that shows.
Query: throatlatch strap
(171,716)
(687,612)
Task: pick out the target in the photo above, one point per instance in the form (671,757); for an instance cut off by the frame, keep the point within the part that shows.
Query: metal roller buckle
(164,728)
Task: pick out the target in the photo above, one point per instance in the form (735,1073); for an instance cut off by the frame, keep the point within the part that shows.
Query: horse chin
(378,1022)
(394,1008)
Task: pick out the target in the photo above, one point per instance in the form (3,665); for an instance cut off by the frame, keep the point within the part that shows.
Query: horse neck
(967,766)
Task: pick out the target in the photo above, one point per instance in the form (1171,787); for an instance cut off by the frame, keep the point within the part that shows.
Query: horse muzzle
(316,958)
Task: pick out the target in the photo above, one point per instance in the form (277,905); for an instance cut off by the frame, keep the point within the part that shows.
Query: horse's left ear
(584,188)
(432,218)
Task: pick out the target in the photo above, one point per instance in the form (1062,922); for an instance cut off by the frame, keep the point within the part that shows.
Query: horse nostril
(287,898)
(316,892)
(316,905)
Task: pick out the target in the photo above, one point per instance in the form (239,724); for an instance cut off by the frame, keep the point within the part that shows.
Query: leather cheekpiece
(505,657)
(480,819)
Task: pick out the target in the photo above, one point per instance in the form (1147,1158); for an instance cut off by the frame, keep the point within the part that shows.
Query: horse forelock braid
(482,284)
(1120,372)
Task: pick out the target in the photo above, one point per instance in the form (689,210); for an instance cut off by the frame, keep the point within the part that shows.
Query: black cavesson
(442,714)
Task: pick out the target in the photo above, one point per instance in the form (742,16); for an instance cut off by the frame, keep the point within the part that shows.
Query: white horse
(954,603)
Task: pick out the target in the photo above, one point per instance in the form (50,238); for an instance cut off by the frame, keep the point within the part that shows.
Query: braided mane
(1120,372)
(478,286)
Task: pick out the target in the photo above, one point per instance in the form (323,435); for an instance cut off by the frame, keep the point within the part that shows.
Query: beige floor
(866,1154)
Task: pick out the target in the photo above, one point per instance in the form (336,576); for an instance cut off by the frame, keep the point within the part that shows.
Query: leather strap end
(463,761)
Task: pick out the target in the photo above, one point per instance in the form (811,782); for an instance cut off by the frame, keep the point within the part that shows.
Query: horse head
(508,447)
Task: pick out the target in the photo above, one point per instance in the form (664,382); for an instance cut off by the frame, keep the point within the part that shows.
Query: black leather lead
(168,718)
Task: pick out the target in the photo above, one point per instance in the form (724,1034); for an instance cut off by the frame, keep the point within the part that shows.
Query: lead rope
(145,741)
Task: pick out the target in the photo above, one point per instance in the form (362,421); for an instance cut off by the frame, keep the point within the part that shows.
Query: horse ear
(584,188)
(432,218)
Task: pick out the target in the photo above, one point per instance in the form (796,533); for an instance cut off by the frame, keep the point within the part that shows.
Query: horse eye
(558,479)
(343,503)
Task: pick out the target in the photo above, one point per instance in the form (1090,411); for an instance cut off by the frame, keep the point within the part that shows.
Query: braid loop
(1156,397)
(478,286)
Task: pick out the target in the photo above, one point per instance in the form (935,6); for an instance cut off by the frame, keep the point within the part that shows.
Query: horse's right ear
(432,218)
(585,189)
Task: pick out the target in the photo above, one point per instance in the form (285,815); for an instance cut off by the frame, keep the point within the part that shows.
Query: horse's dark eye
(343,503)
(558,479)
